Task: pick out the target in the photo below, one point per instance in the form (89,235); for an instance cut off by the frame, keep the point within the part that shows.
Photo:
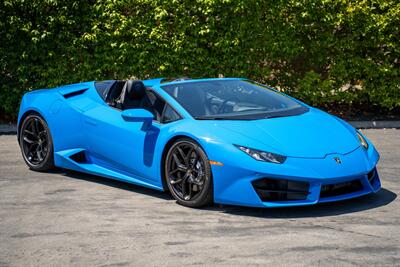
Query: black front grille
(270,190)
(332,190)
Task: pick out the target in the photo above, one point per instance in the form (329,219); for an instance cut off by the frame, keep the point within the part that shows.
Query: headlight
(262,155)
(362,140)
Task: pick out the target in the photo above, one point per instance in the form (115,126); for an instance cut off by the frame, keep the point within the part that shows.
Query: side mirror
(138,115)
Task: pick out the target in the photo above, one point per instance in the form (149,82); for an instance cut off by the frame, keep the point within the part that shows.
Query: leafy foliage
(325,52)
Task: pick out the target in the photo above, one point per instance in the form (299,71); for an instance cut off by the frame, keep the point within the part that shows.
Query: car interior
(193,100)
(133,94)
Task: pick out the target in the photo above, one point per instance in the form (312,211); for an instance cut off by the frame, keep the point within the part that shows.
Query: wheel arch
(24,115)
(167,146)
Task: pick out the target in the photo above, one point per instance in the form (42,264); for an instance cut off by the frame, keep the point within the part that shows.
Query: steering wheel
(223,105)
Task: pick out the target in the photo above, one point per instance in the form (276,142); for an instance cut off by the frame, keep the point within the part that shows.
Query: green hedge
(328,53)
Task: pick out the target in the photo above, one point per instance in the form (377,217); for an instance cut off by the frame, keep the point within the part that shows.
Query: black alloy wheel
(188,174)
(36,143)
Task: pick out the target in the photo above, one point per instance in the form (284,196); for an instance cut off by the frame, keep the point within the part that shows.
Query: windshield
(233,99)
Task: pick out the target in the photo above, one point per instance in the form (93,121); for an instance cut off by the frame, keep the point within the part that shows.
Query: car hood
(313,134)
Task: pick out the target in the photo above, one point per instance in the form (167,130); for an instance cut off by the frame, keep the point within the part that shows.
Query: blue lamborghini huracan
(228,141)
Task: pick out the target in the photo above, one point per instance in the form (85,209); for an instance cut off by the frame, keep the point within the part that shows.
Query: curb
(375,124)
(8,129)
(12,128)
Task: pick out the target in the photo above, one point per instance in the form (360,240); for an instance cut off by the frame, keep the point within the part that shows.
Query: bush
(328,53)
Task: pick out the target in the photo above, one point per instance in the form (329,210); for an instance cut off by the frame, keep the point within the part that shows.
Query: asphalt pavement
(71,219)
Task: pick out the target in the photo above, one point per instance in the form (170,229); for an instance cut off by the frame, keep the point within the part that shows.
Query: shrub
(328,53)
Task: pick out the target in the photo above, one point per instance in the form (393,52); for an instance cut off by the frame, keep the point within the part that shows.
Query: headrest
(135,90)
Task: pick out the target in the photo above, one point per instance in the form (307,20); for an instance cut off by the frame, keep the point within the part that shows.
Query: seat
(134,95)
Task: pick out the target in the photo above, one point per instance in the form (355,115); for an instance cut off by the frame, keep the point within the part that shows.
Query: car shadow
(368,202)
(115,183)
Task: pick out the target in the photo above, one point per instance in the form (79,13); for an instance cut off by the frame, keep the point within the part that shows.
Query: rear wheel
(188,174)
(36,143)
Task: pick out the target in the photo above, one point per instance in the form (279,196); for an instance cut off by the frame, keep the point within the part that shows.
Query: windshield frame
(246,115)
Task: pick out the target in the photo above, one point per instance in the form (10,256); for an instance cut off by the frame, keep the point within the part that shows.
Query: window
(233,99)
(169,115)
(162,111)
(156,106)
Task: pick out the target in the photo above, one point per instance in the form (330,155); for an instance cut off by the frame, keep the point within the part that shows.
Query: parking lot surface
(70,219)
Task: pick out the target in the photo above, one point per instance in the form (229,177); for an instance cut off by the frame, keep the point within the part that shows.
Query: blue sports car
(228,141)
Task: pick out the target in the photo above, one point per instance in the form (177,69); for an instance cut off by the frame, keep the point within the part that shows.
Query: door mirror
(138,115)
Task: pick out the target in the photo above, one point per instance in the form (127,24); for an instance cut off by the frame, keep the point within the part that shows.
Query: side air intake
(74,93)
(79,157)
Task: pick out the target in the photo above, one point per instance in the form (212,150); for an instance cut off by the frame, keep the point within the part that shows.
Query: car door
(121,145)
(117,144)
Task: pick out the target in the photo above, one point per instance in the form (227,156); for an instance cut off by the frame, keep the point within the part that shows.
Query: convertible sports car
(228,141)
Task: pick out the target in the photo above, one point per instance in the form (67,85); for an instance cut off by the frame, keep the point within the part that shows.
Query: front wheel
(36,143)
(188,174)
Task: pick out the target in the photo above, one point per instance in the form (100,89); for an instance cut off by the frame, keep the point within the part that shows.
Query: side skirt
(76,159)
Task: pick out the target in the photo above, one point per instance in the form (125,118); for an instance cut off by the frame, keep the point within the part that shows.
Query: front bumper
(301,181)
(324,191)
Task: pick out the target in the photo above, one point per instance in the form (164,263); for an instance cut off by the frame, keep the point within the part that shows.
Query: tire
(36,143)
(189,179)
